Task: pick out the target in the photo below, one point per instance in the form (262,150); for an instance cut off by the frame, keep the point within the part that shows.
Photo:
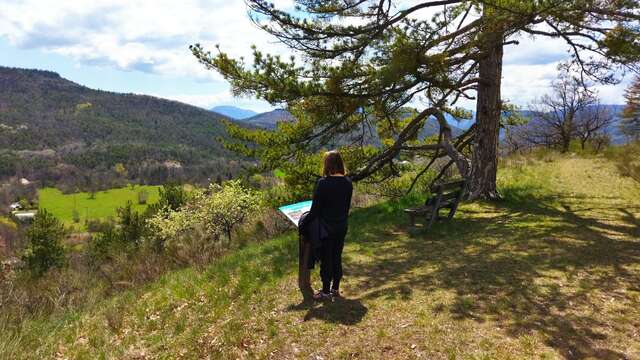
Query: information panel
(294,211)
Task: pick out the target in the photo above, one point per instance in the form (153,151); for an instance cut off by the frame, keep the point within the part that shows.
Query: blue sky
(141,46)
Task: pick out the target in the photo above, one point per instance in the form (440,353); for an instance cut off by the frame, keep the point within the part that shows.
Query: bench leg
(452,212)
(412,219)
(433,218)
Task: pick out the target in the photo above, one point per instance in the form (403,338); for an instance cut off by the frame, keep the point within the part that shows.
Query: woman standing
(331,202)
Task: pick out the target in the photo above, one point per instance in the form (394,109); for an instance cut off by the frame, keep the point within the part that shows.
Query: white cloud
(522,84)
(535,51)
(145,35)
(613,94)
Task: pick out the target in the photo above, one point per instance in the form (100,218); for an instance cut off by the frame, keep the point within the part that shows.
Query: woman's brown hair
(333,163)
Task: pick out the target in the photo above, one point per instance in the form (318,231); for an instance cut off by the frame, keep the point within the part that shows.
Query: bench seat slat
(429,208)
(419,210)
(449,196)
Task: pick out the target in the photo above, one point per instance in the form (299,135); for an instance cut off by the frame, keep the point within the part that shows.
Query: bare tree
(555,121)
(516,139)
(600,141)
(570,112)
(592,123)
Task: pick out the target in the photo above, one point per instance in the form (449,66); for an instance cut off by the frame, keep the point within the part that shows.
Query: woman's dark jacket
(331,200)
(312,230)
(329,213)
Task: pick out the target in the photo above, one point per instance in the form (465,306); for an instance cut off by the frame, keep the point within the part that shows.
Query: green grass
(553,271)
(102,206)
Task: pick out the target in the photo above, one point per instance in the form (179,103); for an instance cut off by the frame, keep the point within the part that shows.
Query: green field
(102,206)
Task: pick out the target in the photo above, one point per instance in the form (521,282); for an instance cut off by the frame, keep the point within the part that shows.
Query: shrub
(98,225)
(26,297)
(200,223)
(121,170)
(103,243)
(123,236)
(227,206)
(281,194)
(627,159)
(131,224)
(143,196)
(265,225)
(169,225)
(44,248)
(75,215)
(24,204)
(8,234)
(172,195)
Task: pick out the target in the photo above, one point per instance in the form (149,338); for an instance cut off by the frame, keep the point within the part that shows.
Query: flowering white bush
(168,224)
(206,216)
(227,206)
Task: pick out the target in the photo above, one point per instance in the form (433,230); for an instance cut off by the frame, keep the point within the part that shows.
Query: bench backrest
(447,191)
(454,185)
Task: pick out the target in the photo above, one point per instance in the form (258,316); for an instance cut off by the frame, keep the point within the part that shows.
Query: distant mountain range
(233,112)
(265,120)
(52,129)
(269,120)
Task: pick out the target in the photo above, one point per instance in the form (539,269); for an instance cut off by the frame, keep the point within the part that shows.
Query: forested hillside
(54,130)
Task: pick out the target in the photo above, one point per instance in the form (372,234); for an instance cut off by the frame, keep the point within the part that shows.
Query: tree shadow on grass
(631,219)
(530,264)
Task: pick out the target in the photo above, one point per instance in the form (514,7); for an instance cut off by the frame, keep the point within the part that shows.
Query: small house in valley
(24,216)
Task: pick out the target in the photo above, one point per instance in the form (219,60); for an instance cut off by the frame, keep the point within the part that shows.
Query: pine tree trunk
(488,110)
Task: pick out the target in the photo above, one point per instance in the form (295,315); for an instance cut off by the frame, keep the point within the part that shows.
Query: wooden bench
(446,196)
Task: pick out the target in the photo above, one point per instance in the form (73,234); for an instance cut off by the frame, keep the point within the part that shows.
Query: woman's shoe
(335,293)
(321,295)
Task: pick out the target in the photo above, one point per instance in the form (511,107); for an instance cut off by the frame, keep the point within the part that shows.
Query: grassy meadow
(102,206)
(552,271)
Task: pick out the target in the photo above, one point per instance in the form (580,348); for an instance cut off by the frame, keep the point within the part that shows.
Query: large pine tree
(364,62)
(630,124)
